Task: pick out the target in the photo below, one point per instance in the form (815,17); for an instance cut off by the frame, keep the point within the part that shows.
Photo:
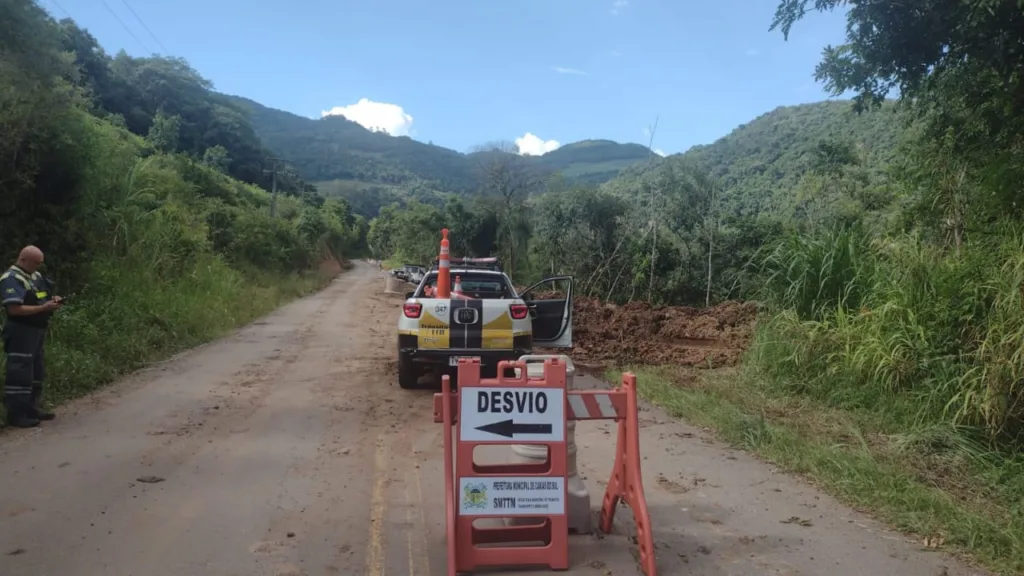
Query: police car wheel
(407,373)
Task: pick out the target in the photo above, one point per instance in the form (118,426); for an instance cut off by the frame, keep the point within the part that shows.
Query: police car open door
(550,303)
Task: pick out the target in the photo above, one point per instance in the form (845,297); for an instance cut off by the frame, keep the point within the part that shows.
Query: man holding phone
(29,300)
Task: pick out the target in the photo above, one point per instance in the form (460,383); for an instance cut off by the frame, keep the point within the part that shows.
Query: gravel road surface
(288,449)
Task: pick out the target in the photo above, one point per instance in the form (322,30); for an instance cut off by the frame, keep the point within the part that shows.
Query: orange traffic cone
(443,268)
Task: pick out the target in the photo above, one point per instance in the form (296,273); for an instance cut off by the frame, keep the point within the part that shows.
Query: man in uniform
(29,301)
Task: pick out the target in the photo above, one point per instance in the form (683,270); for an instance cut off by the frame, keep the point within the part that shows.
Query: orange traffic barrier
(444,268)
(522,410)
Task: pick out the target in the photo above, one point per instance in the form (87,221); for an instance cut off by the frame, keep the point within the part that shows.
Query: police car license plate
(454,360)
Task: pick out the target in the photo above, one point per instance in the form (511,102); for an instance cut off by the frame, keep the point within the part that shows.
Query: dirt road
(288,449)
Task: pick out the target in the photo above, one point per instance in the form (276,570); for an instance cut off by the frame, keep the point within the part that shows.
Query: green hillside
(343,156)
(770,164)
(334,148)
(592,161)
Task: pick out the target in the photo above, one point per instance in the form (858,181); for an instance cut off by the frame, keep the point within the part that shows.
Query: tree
(93,63)
(164,132)
(577,232)
(464,228)
(956,64)
(703,186)
(913,46)
(217,158)
(507,176)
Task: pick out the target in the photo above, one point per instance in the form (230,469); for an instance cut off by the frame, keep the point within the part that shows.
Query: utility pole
(654,210)
(273,194)
(273,188)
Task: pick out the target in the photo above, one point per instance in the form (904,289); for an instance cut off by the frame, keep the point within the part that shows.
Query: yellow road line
(421,526)
(378,508)
(409,522)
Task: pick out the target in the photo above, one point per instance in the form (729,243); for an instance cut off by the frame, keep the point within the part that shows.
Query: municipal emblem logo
(474,496)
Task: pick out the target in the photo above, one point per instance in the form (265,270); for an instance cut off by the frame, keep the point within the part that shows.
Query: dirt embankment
(605,333)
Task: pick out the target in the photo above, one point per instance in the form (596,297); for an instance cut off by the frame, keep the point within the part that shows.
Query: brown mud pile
(607,334)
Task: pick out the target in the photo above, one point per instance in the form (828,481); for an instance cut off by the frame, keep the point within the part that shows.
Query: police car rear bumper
(488,356)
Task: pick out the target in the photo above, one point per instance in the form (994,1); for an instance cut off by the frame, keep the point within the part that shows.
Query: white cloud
(659,152)
(562,70)
(376,116)
(753,52)
(618,5)
(530,145)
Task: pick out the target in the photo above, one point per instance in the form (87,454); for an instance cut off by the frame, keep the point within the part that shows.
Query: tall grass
(814,275)
(897,325)
(922,351)
(128,317)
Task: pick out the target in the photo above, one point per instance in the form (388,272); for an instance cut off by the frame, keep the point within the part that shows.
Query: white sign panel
(511,413)
(530,496)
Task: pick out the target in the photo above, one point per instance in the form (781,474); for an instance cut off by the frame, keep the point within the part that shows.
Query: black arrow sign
(508,428)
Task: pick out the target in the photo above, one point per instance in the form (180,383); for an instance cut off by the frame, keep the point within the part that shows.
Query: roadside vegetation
(884,241)
(149,196)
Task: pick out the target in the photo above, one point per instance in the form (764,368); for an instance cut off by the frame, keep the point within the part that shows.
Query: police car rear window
(475,285)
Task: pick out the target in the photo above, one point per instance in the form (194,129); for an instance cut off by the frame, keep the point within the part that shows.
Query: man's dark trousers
(23,387)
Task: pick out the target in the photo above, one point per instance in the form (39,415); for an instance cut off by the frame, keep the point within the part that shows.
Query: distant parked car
(404,272)
(416,274)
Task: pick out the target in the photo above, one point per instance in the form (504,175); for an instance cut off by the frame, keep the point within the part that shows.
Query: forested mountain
(342,155)
(591,161)
(334,148)
(774,163)
(760,164)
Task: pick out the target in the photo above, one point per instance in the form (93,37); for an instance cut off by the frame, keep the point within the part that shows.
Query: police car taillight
(412,310)
(518,311)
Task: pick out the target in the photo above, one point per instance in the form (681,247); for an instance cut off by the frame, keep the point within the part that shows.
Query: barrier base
(578,501)
(531,545)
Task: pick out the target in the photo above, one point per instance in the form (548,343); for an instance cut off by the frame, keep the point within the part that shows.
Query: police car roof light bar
(490,263)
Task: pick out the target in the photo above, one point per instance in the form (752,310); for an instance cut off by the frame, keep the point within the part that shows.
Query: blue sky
(472,71)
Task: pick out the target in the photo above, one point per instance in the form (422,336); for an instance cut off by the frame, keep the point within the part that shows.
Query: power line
(125,26)
(57,4)
(159,43)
